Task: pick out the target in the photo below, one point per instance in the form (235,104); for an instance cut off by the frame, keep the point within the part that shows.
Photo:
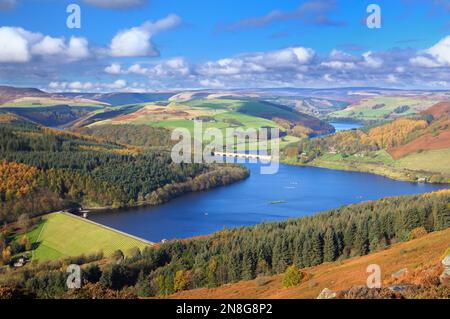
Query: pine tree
(298,252)
(248,265)
(143,287)
(362,240)
(235,262)
(330,247)
(280,254)
(349,238)
(317,249)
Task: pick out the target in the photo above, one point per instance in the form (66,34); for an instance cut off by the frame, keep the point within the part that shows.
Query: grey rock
(399,288)
(327,294)
(446,261)
(445,276)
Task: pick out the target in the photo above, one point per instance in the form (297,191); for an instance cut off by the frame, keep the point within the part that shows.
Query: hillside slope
(216,113)
(422,252)
(412,148)
(382,108)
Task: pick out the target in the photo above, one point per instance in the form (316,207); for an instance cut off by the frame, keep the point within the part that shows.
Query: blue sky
(164,44)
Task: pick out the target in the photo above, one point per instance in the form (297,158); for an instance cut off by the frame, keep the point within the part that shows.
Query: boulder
(446,261)
(327,294)
(399,288)
(444,278)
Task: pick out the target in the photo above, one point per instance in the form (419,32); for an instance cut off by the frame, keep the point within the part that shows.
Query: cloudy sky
(142,45)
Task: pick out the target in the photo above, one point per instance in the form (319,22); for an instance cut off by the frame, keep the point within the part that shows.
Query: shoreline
(400,176)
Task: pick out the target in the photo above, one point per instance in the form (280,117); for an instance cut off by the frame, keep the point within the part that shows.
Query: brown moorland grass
(425,142)
(422,252)
(438,110)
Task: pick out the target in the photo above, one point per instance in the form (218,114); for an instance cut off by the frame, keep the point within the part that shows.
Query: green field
(182,115)
(255,108)
(62,235)
(432,161)
(373,157)
(379,108)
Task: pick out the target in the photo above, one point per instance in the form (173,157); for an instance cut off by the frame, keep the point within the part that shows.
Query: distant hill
(116,99)
(9,93)
(384,108)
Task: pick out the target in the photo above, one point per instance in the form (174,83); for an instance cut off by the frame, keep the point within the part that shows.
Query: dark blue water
(302,190)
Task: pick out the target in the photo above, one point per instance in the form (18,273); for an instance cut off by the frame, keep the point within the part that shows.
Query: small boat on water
(277,202)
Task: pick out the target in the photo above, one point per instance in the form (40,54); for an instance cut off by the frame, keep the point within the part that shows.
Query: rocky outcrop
(445,276)
(327,294)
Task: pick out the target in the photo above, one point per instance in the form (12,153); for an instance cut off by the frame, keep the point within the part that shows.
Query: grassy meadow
(61,235)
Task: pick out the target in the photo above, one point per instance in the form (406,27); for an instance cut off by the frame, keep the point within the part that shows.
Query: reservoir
(294,191)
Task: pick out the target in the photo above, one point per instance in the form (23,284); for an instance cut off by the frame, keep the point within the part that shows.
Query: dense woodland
(139,135)
(243,253)
(46,170)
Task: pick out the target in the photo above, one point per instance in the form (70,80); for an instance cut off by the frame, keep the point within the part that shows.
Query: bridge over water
(244,155)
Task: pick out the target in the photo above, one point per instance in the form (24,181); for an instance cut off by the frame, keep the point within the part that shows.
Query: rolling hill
(9,93)
(382,108)
(218,113)
(45,108)
(117,98)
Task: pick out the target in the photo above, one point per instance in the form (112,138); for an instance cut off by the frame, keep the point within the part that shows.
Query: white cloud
(391,78)
(114,68)
(116,4)
(136,41)
(49,46)
(294,58)
(422,61)
(14,45)
(78,86)
(441,51)
(20,45)
(137,69)
(78,48)
(436,56)
(339,65)
(288,57)
(214,83)
(339,55)
(131,43)
(119,84)
(327,77)
(171,67)
(371,61)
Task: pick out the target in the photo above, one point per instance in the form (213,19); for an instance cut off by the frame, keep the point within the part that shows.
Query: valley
(109,154)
